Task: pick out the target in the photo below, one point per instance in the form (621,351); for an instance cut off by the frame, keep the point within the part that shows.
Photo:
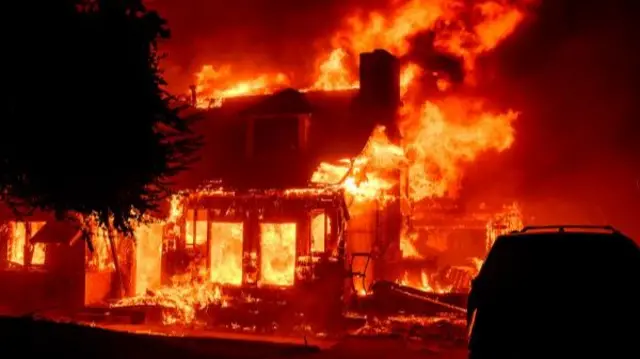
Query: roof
(335,132)
(566,237)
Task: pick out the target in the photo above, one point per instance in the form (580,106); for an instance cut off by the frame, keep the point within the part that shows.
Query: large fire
(439,135)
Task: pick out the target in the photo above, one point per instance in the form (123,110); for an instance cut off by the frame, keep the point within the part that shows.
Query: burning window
(225,253)
(320,228)
(19,243)
(196,228)
(100,259)
(148,264)
(277,253)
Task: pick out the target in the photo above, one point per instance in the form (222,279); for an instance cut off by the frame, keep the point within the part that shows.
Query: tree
(88,127)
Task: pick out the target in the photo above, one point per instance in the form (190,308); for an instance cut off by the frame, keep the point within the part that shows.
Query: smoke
(574,75)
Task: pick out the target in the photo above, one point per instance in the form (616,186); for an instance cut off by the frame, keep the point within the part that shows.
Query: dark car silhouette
(557,292)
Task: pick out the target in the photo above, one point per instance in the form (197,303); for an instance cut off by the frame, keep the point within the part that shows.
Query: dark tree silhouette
(87,127)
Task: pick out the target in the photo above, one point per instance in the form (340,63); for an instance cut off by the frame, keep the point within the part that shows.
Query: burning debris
(180,301)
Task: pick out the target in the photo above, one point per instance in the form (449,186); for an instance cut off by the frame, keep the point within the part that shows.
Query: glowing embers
(225,253)
(19,245)
(148,264)
(320,227)
(278,253)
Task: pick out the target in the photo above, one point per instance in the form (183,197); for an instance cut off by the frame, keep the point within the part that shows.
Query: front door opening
(277,254)
(225,253)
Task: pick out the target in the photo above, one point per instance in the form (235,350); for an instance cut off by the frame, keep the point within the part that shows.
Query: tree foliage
(87,125)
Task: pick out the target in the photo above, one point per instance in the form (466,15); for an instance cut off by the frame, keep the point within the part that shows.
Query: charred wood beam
(385,288)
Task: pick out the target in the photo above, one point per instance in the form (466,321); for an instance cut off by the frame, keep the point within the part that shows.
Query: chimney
(379,79)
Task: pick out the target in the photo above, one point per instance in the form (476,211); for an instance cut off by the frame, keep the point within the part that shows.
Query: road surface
(27,337)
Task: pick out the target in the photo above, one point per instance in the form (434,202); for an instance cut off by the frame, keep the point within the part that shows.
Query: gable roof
(336,131)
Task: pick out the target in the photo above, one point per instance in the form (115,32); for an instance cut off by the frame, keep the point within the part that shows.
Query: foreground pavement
(26,336)
(379,348)
(371,347)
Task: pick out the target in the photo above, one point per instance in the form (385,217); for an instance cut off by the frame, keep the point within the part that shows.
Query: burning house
(266,224)
(308,192)
(303,200)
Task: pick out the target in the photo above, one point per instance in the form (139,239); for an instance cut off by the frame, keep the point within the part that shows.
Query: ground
(372,348)
(26,337)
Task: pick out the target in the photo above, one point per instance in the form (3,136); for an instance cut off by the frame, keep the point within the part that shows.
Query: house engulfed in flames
(306,198)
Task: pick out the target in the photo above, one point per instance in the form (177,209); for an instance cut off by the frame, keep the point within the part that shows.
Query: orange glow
(38,256)
(334,74)
(441,137)
(101,259)
(363,177)
(148,263)
(438,141)
(510,219)
(176,210)
(463,29)
(505,222)
(424,283)
(18,242)
(187,292)
(226,253)
(199,236)
(320,226)
(278,253)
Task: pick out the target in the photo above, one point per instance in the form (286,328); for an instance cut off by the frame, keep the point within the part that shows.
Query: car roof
(569,235)
(555,253)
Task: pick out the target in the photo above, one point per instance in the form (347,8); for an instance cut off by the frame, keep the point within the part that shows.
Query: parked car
(557,292)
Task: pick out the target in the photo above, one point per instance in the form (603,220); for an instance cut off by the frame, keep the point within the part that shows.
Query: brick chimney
(379,79)
(379,97)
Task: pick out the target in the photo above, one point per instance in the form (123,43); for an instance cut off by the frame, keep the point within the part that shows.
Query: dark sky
(573,71)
